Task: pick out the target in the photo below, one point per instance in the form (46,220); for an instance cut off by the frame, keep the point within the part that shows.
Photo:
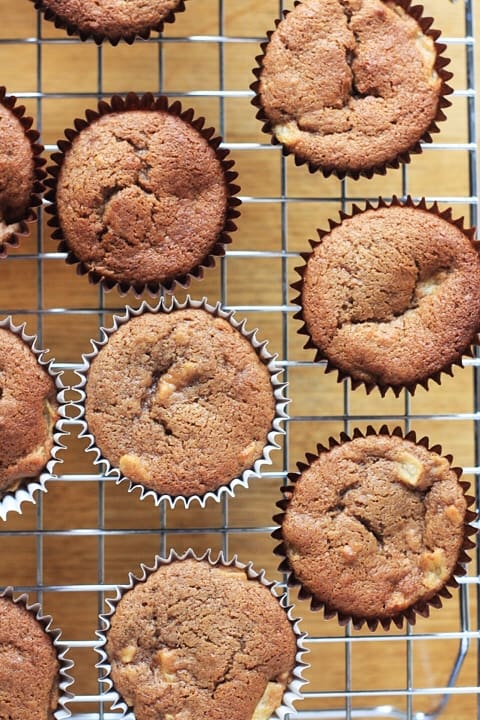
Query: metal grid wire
(349,698)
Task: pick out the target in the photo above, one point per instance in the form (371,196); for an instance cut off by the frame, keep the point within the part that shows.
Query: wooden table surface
(86,532)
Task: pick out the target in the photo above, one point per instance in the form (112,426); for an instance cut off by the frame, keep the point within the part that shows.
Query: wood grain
(125,531)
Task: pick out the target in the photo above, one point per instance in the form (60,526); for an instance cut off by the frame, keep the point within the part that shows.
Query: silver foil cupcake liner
(99,36)
(20,228)
(278,390)
(415,11)
(293,690)
(421,607)
(65,664)
(26,491)
(147,102)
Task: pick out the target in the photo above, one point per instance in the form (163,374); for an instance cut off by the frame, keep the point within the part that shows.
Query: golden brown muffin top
(28,411)
(113,18)
(16,172)
(201,641)
(29,669)
(375,525)
(391,295)
(141,196)
(349,84)
(179,401)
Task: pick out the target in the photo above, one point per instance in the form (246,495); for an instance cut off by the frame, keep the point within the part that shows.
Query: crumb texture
(16,173)
(141,197)
(179,401)
(197,641)
(28,411)
(29,669)
(377,92)
(113,18)
(391,296)
(375,525)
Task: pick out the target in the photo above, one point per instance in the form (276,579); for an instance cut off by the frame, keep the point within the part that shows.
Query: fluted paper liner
(150,103)
(425,23)
(293,690)
(20,228)
(447,368)
(421,608)
(27,490)
(99,36)
(278,391)
(65,664)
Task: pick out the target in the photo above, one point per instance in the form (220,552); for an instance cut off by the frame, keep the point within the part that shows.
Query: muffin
(28,410)
(391,295)
(374,528)
(20,171)
(142,195)
(380,91)
(182,400)
(113,20)
(30,671)
(201,639)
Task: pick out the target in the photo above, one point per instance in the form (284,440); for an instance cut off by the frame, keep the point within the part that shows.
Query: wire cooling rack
(86,533)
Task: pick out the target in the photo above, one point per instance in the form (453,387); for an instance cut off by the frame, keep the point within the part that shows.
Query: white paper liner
(293,690)
(269,360)
(65,664)
(12,501)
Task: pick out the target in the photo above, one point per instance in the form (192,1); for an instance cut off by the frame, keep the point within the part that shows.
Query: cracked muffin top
(180,402)
(377,92)
(200,641)
(391,296)
(141,197)
(28,412)
(29,670)
(17,173)
(114,19)
(374,525)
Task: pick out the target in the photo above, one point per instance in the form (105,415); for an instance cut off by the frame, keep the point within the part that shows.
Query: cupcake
(374,528)
(113,20)
(141,195)
(352,87)
(391,295)
(20,171)
(198,638)
(28,413)
(33,671)
(181,400)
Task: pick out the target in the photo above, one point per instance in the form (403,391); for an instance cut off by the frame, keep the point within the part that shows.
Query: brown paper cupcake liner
(293,690)
(447,368)
(278,389)
(65,664)
(99,36)
(421,608)
(26,490)
(154,104)
(425,23)
(20,228)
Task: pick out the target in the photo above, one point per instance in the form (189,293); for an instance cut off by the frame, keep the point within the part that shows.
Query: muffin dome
(111,19)
(28,411)
(29,670)
(351,86)
(179,401)
(142,195)
(391,295)
(375,527)
(201,641)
